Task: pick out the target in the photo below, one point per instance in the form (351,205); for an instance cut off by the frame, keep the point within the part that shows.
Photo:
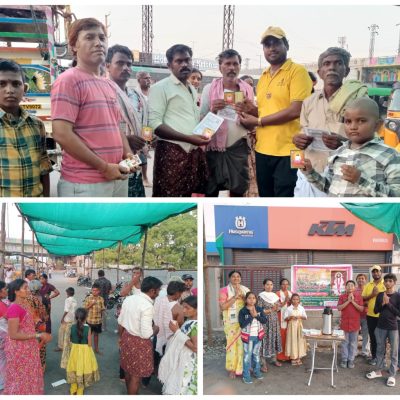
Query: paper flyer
(208,125)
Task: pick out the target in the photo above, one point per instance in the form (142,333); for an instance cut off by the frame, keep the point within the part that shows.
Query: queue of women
(261,330)
(25,329)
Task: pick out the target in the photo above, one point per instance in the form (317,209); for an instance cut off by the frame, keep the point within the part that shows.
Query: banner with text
(320,285)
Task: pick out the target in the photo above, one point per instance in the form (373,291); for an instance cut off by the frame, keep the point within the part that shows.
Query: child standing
(351,306)
(295,343)
(82,369)
(251,318)
(363,166)
(64,333)
(94,303)
(25,165)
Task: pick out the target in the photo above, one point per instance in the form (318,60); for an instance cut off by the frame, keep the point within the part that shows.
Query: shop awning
(383,216)
(70,229)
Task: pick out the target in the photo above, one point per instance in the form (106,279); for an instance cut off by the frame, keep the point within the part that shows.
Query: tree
(172,242)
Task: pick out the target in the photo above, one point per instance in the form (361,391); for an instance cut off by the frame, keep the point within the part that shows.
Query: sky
(310,29)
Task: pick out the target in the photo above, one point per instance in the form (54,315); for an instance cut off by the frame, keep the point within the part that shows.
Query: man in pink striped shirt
(86,115)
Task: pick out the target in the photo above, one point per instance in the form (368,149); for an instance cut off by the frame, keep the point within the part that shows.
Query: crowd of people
(267,329)
(105,128)
(157,327)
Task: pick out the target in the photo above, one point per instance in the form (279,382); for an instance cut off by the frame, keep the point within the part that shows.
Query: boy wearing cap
(388,305)
(369,294)
(280,93)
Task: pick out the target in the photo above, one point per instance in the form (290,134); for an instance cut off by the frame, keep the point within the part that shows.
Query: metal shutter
(269,257)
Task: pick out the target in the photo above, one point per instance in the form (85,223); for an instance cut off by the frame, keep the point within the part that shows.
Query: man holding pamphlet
(322,113)
(180,168)
(227,152)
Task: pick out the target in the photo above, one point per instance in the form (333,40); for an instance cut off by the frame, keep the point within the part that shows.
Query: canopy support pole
(103,260)
(119,253)
(207,291)
(144,247)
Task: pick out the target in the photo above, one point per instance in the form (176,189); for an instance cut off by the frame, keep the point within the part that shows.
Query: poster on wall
(320,285)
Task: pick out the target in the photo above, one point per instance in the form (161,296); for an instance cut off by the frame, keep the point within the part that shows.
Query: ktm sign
(331,228)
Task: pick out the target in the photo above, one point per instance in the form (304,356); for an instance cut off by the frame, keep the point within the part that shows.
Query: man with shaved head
(363,166)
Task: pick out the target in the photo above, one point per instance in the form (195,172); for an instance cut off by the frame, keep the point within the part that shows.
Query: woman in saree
(48,292)
(178,367)
(231,301)
(3,332)
(24,375)
(284,295)
(271,345)
(39,314)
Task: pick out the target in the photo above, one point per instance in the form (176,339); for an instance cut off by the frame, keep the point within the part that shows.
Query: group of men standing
(99,122)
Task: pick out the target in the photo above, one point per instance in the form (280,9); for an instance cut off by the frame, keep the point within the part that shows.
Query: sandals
(391,381)
(297,362)
(373,375)
(232,375)
(277,364)
(264,369)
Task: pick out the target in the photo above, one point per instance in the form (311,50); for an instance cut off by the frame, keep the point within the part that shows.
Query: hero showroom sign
(242,227)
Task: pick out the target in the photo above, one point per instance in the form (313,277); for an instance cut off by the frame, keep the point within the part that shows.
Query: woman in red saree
(24,375)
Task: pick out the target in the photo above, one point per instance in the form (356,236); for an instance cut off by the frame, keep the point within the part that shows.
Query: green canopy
(67,229)
(383,216)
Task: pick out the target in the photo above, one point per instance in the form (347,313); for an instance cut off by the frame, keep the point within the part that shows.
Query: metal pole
(23,247)
(207,291)
(144,248)
(3,240)
(33,251)
(398,48)
(103,260)
(91,266)
(119,253)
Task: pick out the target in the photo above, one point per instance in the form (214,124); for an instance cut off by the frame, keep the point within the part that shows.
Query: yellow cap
(376,266)
(273,31)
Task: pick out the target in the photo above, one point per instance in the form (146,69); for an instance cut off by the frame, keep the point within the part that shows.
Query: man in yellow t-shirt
(280,93)
(369,294)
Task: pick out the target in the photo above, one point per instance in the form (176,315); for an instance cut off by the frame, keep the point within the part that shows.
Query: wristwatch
(259,121)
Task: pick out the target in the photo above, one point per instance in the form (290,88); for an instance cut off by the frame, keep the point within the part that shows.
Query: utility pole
(342,42)
(229,27)
(398,47)
(147,29)
(374,31)
(3,240)
(107,25)
(246,63)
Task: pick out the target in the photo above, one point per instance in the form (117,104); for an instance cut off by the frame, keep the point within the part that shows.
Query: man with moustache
(227,153)
(324,110)
(119,63)
(179,164)
(369,294)
(86,116)
(280,92)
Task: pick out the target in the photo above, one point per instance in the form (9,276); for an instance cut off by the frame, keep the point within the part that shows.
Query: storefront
(258,239)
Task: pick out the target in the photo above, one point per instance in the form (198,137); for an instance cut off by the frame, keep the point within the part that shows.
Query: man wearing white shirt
(135,329)
(166,309)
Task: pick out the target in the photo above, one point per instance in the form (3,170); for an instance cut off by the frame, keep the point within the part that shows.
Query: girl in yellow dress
(295,343)
(82,369)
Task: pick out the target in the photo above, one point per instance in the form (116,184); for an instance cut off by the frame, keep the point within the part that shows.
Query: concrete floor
(292,380)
